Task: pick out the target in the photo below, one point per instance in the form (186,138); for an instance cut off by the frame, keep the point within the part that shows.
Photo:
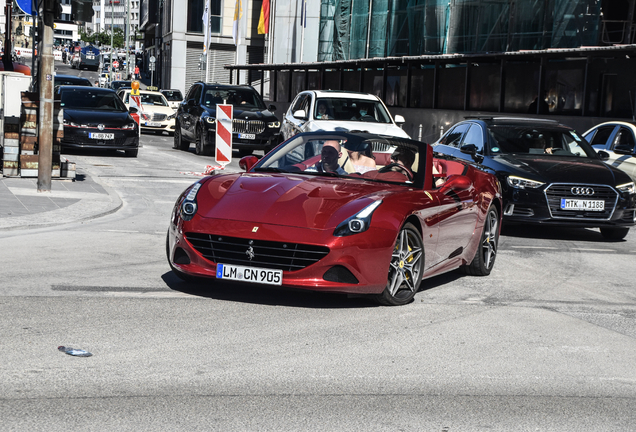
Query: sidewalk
(22,206)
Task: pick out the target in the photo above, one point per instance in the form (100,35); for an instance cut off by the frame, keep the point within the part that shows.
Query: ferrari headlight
(189,204)
(627,188)
(275,124)
(522,183)
(357,223)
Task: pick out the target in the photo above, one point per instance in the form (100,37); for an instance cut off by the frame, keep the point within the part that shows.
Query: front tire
(405,268)
(614,233)
(486,253)
(201,149)
(179,142)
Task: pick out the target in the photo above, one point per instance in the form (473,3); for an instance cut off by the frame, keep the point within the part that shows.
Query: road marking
(594,250)
(17,191)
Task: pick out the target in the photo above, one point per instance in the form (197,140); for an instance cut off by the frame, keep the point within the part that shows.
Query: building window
(195,13)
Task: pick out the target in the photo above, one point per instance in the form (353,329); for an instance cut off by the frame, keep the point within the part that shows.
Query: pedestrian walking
(136,72)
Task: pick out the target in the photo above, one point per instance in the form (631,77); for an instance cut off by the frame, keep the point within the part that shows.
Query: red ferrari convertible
(343,212)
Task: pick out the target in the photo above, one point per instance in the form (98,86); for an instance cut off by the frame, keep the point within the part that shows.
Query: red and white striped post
(224,116)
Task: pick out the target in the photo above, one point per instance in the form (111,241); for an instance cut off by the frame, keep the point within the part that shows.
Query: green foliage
(104,37)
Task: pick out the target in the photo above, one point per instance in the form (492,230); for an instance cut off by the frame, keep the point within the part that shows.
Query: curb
(81,211)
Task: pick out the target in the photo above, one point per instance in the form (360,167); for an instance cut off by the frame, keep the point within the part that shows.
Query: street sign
(152,59)
(224,116)
(115,64)
(151,66)
(27,7)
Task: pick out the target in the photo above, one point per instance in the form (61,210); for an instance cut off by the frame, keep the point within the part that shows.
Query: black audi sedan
(95,118)
(254,126)
(548,173)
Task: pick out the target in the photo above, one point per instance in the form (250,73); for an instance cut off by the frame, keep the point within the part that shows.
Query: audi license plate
(582,205)
(153,124)
(101,135)
(249,274)
(247,136)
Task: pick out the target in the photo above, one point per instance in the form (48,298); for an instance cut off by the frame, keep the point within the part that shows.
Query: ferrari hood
(554,169)
(285,199)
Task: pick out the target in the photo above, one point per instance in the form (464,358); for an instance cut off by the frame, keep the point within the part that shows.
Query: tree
(104,37)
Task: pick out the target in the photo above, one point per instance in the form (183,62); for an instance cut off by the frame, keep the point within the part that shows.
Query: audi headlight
(210,120)
(129,126)
(357,223)
(275,124)
(189,204)
(522,183)
(627,188)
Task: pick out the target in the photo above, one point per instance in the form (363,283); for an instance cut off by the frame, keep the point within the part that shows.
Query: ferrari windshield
(538,140)
(365,156)
(351,110)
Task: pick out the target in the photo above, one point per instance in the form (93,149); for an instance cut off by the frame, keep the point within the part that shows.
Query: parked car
(59,80)
(174,97)
(286,222)
(95,118)
(116,85)
(254,126)
(549,174)
(103,79)
(618,140)
(326,110)
(156,114)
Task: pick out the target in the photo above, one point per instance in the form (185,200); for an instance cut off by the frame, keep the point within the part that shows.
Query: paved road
(546,342)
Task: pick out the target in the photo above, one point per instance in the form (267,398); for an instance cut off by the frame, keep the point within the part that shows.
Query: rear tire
(614,233)
(486,253)
(405,268)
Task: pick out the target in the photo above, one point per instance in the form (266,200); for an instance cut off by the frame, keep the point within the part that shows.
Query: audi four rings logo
(582,191)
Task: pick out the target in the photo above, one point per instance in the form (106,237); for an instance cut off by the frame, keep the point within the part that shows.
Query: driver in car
(329,156)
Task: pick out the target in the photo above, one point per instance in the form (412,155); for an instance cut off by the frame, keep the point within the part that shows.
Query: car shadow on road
(555,233)
(265,295)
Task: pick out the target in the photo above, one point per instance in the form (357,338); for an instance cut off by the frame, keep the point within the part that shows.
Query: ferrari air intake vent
(557,194)
(256,253)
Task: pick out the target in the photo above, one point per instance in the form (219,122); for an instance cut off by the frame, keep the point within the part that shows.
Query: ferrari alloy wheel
(405,268)
(486,253)
(200,148)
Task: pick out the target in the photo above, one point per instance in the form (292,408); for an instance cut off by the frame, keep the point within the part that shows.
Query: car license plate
(582,205)
(153,124)
(101,135)
(247,136)
(249,274)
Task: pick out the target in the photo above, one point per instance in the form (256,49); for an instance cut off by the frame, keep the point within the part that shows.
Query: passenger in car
(329,155)
(402,160)
(322,112)
(362,158)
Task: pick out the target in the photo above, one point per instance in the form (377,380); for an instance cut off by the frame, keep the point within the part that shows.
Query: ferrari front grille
(248,126)
(558,191)
(256,253)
